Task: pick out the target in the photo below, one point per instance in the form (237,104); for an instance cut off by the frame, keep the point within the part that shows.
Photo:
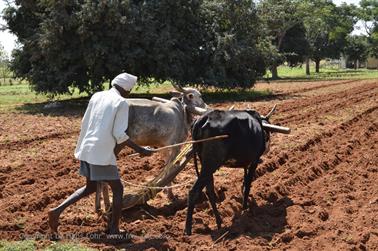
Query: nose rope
(184,143)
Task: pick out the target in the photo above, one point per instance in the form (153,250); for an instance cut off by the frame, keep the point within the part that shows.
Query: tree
(82,44)
(327,27)
(4,64)
(356,49)
(231,55)
(70,44)
(373,41)
(295,46)
(369,15)
(278,17)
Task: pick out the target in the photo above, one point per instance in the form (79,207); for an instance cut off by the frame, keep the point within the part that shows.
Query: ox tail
(196,164)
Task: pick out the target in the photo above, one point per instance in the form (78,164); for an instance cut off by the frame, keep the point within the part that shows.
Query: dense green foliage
(303,30)
(81,44)
(278,18)
(84,43)
(369,14)
(356,49)
(327,28)
(295,45)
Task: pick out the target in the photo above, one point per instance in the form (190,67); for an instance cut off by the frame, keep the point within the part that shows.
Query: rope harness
(156,187)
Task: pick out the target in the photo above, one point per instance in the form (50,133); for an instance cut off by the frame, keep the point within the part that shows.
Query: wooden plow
(136,194)
(139,195)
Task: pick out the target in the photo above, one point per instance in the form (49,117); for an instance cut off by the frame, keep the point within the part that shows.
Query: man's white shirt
(103,126)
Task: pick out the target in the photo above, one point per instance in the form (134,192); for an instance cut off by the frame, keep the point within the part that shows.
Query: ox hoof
(188,232)
(245,206)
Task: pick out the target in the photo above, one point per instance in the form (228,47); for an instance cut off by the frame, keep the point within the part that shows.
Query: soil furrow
(302,103)
(336,104)
(19,144)
(322,86)
(284,157)
(319,156)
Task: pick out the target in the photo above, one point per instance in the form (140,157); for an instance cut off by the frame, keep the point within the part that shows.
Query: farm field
(315,190)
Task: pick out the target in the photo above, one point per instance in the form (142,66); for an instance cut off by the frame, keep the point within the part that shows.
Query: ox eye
(190,96)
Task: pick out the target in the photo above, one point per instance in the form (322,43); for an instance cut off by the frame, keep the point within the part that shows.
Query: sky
(338,2)
(8,41)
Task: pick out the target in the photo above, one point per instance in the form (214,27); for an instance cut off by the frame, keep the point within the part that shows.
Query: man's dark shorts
(98,172)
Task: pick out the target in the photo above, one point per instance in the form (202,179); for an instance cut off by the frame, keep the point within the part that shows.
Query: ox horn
(276,128)
(197,110)
(178,87)
(270,113)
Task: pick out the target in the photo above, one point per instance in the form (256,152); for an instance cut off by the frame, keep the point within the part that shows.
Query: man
(102,137)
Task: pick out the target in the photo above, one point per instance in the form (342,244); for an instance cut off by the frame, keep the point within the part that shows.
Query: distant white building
(372,63)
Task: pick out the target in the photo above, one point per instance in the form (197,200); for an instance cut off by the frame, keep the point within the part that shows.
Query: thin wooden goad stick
(184,143)
(161,100)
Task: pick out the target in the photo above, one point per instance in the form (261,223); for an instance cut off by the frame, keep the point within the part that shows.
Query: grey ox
(164,122)
(161,122)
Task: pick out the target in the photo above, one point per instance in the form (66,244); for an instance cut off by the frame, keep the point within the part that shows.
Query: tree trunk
(355,64)
(307,66)
(274,71)
(317,66)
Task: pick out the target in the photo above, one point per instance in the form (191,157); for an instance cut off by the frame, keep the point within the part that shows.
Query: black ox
(248,140)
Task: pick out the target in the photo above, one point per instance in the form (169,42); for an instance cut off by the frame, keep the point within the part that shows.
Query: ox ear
(176,94)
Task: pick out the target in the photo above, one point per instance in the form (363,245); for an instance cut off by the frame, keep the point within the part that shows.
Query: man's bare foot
(53,220)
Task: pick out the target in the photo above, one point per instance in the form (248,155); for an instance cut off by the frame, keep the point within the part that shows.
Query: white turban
(125,80)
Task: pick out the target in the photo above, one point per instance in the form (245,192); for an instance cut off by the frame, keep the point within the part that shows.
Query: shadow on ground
(259,221)
(76,107)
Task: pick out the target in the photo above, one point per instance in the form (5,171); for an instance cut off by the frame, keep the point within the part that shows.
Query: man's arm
(141,150)
(119,132)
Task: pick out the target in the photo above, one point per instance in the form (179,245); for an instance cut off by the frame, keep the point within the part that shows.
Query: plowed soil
(315,190)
